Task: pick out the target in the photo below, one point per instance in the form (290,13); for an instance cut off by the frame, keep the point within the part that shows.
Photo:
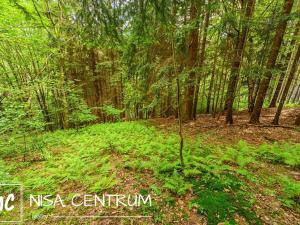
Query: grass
(91,160)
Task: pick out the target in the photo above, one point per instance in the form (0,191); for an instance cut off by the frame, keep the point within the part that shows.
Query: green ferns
(89,159)
(287,154)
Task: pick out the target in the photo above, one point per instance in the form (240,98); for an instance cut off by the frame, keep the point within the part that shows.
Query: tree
(201,60)
(287,85)
(264,84)
(192,60)
(283,67)
(236,60)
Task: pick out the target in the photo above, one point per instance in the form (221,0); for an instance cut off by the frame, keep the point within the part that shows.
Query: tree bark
(283,69)
(236,62)
(201,62)
(212,79)
(192,60)
(287,86)
(264,84)
(277,91)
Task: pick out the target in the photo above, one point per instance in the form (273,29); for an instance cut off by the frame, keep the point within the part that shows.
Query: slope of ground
(224,180)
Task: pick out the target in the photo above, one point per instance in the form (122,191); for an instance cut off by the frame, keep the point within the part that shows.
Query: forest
(195,103)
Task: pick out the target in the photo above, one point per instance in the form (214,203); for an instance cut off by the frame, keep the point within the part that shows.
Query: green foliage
(291,192)
(287,154)
(80,113)
(177,184)
(87,158)
(113,112)
(4,172)
(242,154)
(105,183)
(219,198)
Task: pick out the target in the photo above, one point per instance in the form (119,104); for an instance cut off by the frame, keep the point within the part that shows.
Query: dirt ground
(214,130)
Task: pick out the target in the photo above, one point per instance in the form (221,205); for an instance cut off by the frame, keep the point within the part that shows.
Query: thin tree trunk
(201,63)
(283,69)
(277,91)
(264,84)
(180,124)
(212,81)
(297,95)
(291,96)
(287,86)
(203,92)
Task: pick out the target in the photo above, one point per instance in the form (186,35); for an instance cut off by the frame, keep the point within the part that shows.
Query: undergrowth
(89,159)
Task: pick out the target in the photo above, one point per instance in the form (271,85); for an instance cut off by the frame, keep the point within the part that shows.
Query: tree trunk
(192,60)
(264,84)
(251,85)
(201,63)
(287,86)
(277,91)
(236,62)
(212,79)
(283,69)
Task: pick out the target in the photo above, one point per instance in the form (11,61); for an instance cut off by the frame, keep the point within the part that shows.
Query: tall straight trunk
(264,84)
(297,95)
(223,96)
(277,91)
(271,88)
(219,84)
(250,79)
(201,62)
(191,63)
(287,85)
(251,86)
(212,79)
(283,68)
(203,92)
(292,95)
(236,61)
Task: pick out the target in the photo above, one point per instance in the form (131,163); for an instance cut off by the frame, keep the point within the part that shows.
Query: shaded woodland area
(67,63)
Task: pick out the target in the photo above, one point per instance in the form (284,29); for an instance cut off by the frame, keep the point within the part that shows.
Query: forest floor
(214,130)
(226,181)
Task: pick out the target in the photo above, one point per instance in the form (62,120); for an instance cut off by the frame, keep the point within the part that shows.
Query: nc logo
(11,203)
(6,202)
